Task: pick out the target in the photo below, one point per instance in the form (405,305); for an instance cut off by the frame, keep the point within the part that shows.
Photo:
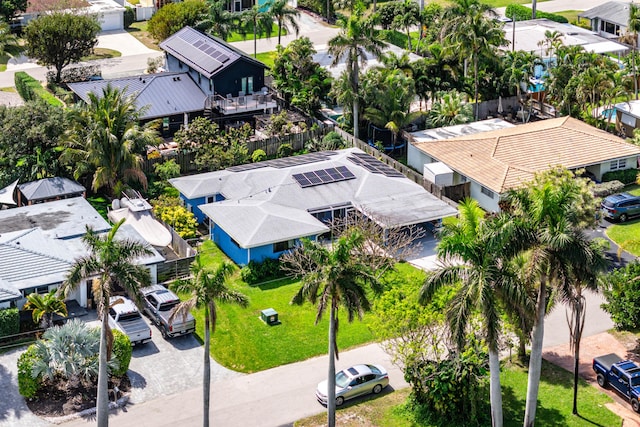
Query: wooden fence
(178,268)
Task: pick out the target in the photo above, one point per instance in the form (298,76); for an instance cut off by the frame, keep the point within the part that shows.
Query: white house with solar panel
(261,210)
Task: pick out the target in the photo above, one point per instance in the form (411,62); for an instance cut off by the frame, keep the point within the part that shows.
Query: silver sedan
(355,381)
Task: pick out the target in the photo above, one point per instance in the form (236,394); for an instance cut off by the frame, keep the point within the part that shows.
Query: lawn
(244,343)
(237,37)
(554,408)
(267,58)
(628,233)
(102,53)
(139,31)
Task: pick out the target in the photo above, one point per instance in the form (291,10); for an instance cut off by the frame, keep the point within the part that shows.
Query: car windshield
(342,380)
(129,316)
(374,369)
(168,305)
(608,203)
(635,382)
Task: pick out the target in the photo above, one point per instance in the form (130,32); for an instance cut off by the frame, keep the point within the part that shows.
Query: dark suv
(621,206)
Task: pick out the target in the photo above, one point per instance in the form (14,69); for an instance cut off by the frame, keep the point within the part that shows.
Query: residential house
(495,161)
(627,116)
(609,20)
(39,244)
(49,189)
(261,210)
(109,13)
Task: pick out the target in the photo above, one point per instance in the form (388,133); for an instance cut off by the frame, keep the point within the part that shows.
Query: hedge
(122,351)
(257,272)
(28,385)
(523,13)
(626,176)
(31,90)
(9,322)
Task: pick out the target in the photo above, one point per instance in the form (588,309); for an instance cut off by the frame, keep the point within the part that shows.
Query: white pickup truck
(159,303)
(125,317)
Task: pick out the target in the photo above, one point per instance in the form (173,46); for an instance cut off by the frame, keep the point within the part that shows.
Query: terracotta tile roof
(505,158)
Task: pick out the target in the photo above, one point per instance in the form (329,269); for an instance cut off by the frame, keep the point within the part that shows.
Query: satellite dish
(115,204)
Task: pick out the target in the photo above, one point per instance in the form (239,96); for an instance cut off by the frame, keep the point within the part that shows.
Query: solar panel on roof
(374,165)
(210,51)
(322,176)
(224,58)
(198,43)
(216,54)
(204,46)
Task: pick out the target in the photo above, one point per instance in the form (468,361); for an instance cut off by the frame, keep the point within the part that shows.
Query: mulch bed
(57,399)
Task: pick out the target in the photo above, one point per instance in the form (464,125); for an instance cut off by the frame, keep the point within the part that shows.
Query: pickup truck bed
(608,360)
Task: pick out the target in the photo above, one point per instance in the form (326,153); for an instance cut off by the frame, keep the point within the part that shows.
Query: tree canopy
(60,39)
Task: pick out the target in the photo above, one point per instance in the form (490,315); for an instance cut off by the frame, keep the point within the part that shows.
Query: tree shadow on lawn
(513,411)
(275,283)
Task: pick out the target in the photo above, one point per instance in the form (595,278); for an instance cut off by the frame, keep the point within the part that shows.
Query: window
(486,191)
(211,199)
(618,164)
(283,246)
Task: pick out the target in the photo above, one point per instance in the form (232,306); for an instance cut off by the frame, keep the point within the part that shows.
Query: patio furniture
(261,99)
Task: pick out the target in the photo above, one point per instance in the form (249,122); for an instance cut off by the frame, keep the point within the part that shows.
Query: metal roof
(266,204)
(48,188)
(613,11)
(157,95)
(206,54)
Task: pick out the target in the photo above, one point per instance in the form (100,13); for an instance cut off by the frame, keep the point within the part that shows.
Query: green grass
(102,53)
(139,31)
(100,204)
(267,58)
(244,343)
(571,15)
(627,234)
(237,37)
(555,401)
(4,59)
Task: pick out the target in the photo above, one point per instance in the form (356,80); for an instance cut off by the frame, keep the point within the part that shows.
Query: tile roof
(506,158)
(206,54)
(49,188)
(158,95)
(267,193)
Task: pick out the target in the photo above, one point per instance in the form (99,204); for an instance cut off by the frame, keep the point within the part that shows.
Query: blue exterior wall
(195,203)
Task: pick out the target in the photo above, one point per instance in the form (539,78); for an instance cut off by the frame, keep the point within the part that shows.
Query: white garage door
(112,21)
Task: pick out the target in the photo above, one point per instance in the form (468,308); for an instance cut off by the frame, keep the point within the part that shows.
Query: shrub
(79,73)
(31,90)
(129,16)
(256,272)
(523,13)
(387,13)
(122,351)
(622,292)
(626,176)
(258,156)
(285,150)
(168,209)
(605,189)
(28,385)
(167,170)
(9,322)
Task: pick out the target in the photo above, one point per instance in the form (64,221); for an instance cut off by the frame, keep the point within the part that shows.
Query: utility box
(438,173)
(269,316)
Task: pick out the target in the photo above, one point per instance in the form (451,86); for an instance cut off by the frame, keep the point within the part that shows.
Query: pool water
(608,113)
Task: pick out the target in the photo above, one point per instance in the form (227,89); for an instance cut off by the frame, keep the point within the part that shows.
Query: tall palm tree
(519,68)
(284,15)
(552,211)
(357,36)
(334,278)
(219,21)
(474,255)
(474,35)
(634,27)
(206,287)
(106,140)
(44,307)
(408,17)
(450,109)
(258,19)
(8,41)
(109,263)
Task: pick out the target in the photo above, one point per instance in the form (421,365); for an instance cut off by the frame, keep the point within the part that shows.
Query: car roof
(621,197)
(357,370)
(161,293)
(127,306)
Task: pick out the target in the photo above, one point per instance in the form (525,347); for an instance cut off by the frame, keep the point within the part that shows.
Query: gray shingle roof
(613,11)
(206,54)
(257,199)
(159,95)
(50,188)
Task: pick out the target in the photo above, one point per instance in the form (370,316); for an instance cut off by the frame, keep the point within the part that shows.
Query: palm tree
(206,287)
(474,253)
(519,68)
(472,35)
(8,41)
(284,15)
(450,109)
(634,27)
(106,140)
(219,21)
(356,37)
(552,211)
(109,263)
(407,18)
(333,278)
(258,19)
(44,307)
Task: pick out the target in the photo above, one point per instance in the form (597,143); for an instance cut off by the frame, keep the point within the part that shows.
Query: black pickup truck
(622,375)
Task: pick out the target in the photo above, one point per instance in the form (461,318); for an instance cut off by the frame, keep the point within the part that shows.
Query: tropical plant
(450,109)
(106,140)
(621,289)
(357,36)
(205,288)
(475,252)
(110,262)
(284,15)
(174,16)
(8,40)
(44,307)
(551,211)
(407,18)
(520,68)
(332,279)
(257,19)
(218,21)
(634,27)
(473,35)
